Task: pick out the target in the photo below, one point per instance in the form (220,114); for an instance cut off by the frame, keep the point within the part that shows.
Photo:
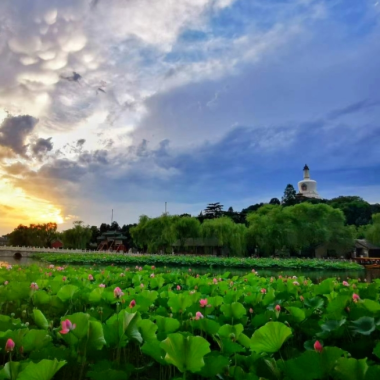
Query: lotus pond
(143,323)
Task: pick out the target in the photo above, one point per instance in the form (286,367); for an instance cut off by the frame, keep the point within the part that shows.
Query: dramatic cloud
(140,102)
(15,130)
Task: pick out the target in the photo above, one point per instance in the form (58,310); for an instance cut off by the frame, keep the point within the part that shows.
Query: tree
(228,234)
(36,235)
(357,211)
(139,233)
(77,237)
(373,232)
(290,196)
(213,210)
(186,228)
(274,201)
(126,231)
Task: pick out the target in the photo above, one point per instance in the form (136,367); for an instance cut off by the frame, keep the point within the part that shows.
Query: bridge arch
(17,255)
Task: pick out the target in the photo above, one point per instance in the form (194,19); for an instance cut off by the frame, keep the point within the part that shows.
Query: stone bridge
(19,252)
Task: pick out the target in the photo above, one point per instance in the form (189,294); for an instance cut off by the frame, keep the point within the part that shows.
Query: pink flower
(122,274)
(178,287)
(102,286)
(51,266)
(198,315)
(132,304)
(153,267)
(90,277)
(278,308)
(345,283)
(67,326)
(263,291)
(355,297)
(231,283)
(215,281)
(318,347)
(9,267)
(117,292)
(6,282)
(253,271)
(140,269)
(251,310)
(189,269)
(197,275)
(203,303)
(141,286)
(64,278)
(152,275)
(10,345)
(301,298)
(271,279)
(34,286)
(295,283)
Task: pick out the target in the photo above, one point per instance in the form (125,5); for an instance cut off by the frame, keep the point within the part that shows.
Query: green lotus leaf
(179,302)
(43,370)
(81,321)
(364,325)
(270,337)
(215,364)
(95,335)
(325,287)
(148,329)
(153,349)
(35,339)
(298,315)
(207,325)
(235,310)
(227,331)
(10,370)
(40,320)
(376,350)
(371,306)
(332,325)
(351,369)
(167,325)
(67,292)
(186,353)
(314,303)
(96,295)
(41,298)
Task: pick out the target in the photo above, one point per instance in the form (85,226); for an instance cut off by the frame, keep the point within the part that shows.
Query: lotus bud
(318,347)
(355,297)
(278,308)
(10,345)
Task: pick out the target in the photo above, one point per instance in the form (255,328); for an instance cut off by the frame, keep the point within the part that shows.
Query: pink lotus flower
(122,274)
(90,277)
(296,283)
(253,271)
(141,286)
(6,282)
(67,326)
(198,315)
(136,267)
(10,345)
(132,304)
(178,287)
(301,298)
(215,281)
(117,292)
(140,269)
(59,269)
(271,279)
(203,302)
(263,291)
(278,308)
(9,267)
(102,286)
(126,269)
(34,286)
(64,278)
(279,276)
(152,275)
(153,267)
(51,266)
(318,347)
(189,269)
(345,283)
(251,310)
(197,275)
(355,297)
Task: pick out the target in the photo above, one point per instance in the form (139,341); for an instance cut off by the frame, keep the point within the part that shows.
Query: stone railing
(50,250)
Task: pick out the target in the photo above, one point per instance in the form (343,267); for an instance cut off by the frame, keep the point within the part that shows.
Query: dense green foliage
(77,237)
(39,235)
(183,260)
(373,232)
(87,323)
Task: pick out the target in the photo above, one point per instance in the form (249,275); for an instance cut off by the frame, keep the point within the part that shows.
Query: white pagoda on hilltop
(307,187)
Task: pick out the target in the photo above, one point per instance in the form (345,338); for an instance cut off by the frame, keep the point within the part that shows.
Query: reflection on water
(315,275)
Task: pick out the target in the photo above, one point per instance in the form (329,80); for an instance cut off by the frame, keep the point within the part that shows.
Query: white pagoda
(307,187)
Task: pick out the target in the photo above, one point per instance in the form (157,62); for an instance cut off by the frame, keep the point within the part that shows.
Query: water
(316,276)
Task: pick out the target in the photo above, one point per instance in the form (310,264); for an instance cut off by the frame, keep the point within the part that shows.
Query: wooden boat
(368,262)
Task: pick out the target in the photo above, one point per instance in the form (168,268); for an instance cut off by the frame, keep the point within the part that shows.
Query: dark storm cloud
(14,131)
(42,146)
(80,142)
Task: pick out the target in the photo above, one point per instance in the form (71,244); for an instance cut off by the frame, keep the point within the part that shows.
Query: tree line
(292,224)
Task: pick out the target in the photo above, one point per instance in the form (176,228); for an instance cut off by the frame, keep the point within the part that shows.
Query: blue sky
(188,102)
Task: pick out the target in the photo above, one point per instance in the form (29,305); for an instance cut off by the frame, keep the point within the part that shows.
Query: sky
(128,104)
